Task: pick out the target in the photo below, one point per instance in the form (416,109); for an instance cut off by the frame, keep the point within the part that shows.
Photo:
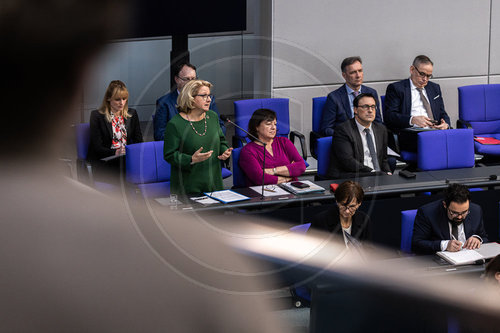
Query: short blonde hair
(186,97)
(116,88)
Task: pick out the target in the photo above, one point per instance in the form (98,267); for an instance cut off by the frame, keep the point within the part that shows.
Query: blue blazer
(337,109)
(166,110)
(431,227)
(397,104)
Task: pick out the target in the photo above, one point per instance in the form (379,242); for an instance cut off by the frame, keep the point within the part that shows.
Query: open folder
(464,256)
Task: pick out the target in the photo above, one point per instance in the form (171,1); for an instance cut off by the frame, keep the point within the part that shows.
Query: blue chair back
(244,109)
(449,149)
(407,221)
(478,106)
(317,112)
(382,100)
(82,140)
(324,147)
(238,174)
(147,169)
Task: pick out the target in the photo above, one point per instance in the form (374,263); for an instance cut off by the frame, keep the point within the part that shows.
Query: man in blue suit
(166,105)
(338,107)
(449,225)
(415,102)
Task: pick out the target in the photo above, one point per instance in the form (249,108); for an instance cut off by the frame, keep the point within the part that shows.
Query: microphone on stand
(226,119)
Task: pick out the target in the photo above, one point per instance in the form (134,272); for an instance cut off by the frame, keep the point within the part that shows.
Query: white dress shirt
(417,107)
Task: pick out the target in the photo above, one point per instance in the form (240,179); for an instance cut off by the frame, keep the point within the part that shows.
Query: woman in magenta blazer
(283,161)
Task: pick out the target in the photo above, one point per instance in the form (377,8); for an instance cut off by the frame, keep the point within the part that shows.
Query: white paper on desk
(461,257)
(227,196)
(272,190)
(204,200)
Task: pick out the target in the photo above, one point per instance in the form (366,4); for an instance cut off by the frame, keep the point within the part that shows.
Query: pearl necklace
(194,129)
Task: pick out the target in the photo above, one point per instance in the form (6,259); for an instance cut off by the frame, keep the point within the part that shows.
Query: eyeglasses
(206,96)
(346,207)
(367,107)
(457,214)
(187,79)
(423,75)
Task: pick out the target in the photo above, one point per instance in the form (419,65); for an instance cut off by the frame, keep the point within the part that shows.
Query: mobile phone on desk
(299,185)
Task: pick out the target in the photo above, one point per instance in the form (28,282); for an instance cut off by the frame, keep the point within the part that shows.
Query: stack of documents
(464,256)
(295,190)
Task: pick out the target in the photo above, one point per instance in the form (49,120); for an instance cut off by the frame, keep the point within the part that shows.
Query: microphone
(226,119)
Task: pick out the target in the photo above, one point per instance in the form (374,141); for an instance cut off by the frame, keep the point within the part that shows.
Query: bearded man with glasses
(449,225)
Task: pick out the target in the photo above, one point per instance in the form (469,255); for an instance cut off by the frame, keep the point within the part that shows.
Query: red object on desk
(334,186)
(486,141)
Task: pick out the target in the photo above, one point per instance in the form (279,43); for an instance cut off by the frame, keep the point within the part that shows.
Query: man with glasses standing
(449,225)
(359,145)
(415,103)
(166,105)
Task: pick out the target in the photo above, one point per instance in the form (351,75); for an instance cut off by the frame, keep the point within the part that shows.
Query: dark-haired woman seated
(283,161)
(345,218)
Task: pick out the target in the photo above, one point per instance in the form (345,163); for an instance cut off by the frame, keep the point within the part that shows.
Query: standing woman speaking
(195,143)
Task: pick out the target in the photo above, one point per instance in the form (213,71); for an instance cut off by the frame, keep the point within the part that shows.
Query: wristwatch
(274,171)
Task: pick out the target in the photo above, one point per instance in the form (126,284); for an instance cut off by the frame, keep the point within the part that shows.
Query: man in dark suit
(359,145)
(449,225)
(166,105)
(415,103)
(338,107)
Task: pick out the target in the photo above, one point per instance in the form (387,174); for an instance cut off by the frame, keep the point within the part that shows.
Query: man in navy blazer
(166,105)
(403,105)
(338,107)
(449,225)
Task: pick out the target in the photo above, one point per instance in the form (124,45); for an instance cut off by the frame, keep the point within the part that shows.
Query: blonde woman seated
(283,161)
(195,143)
(345,218)
(114,125)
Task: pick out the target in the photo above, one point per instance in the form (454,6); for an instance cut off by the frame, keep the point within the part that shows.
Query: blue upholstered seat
(147,169)
(317,114)
(238,174)
(478,109)
(324,145)
(407,221)
(244,109)
(447,149)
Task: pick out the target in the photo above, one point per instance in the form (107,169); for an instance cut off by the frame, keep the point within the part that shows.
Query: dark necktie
(371,147)
(454,230)
(426,104)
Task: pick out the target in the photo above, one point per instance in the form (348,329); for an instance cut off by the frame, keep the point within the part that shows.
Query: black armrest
(238,141)
(302,139)
(463,124)
(313,137)
(393,141)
